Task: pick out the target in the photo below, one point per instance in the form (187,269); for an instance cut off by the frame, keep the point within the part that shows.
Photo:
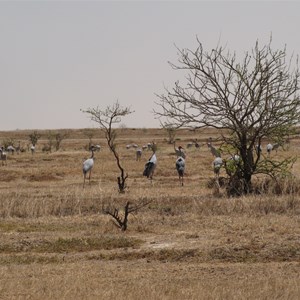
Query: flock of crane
(12,150)
(180,162)
(151,164)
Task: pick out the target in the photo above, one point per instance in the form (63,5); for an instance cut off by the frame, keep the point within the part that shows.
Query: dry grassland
(186,244)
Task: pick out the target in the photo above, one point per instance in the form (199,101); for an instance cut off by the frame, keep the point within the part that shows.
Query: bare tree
(171,132)
(59,137)
(253,99)
(90,133)
(106,119)
(122,220)
(49,145)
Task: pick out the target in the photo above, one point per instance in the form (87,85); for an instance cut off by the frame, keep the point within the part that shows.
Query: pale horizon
(58,57)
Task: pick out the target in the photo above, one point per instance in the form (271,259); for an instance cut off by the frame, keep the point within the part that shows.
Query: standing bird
(217,164)
(197,145)
(213,150)
(258,149)
(150,166)
(10,149)
(95,148)
(138,154)
(276,146)
(32,149)
(87,167)
(179,151)
(269,149)
(189,145)
(180,166)
(3,156)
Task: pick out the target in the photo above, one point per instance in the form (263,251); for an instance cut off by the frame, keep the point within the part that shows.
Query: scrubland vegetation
(189,242)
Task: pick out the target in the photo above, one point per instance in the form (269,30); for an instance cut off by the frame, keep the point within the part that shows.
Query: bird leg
(90,176)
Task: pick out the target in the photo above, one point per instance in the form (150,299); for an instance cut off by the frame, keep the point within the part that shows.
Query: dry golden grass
(55,242)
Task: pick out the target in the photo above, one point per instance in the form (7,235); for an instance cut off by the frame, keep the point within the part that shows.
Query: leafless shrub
(121,221)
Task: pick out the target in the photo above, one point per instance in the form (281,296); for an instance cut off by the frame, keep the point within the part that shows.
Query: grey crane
(95,148)
(189,145)
(180,167)
(3,156)
(32,149)
(272,147)
(87,167)
(150,166)
(215,152)
(10,149)
(138,153)
(179,151)
(197,145)
(276,146)
(269,149)
(217,164)
(258,149)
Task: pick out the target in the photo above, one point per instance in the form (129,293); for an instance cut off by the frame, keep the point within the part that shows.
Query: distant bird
(180,167)
(258,149)
(189,145)
(3,156)
(95,148)
(236,158)
(217,164)
(138,153)
(32,149)
(215,152)
(128,146)
(150,166)
(269,149)
(87,167)
(179,151)
(276,146)
(197,145)
(10,149)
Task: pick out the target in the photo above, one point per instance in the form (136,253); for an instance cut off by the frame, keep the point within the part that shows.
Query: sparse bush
(34,137)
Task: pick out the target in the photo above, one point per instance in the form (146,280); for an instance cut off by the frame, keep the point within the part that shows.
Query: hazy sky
(57,57)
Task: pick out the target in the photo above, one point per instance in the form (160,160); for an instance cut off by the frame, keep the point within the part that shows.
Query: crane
(3,155)
(87,167)
(138,153)
(10,149)
(32,149)
(217,164)
(180,167)
(272,147)
(150,166)
(179,151)
(269,149)
(215,152)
